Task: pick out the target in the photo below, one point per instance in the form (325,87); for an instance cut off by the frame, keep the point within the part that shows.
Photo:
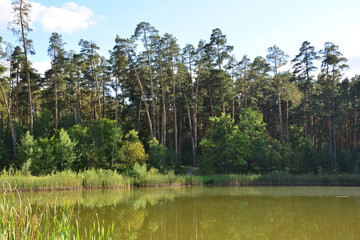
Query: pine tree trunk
(17,93)
(279,105)
(55,91)
(191,134)
(103,108)
(245,86)
(163,95)
(78,93)
(287,119)
(195,112)
(151,86)
(11,125)
(27,70)
(116,99)
(68,96)
(56,103)
(139,116)
(174,106)
(97,96)
(143,96)
(210,99)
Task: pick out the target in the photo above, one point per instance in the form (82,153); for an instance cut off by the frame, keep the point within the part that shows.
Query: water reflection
(217,213)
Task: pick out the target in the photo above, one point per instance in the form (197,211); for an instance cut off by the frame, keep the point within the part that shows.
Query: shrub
(225,147)
(157,155)
(29,150)
(64,151)
(134,152)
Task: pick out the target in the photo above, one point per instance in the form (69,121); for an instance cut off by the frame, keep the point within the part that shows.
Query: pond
(216,212)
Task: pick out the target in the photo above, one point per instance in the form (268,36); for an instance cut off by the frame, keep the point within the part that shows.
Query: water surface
(217,212)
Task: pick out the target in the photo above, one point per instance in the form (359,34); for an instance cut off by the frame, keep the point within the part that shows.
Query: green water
(217,212)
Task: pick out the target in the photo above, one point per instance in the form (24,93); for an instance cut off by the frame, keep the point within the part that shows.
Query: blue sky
(251,26)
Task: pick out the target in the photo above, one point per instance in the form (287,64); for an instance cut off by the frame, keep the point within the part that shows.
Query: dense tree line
(195,105)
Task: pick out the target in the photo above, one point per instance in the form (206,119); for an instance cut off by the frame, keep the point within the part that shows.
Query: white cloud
(68,18)
(42,67)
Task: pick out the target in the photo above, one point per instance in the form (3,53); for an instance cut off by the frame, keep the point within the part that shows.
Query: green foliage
(2,151)
(157,155)
(346,162)
(252,125)
(47,154)
(132,136)
(133,152)
(64,151)
(99,144)
(29,150)
(224,146)
(228,146)
(43,124)
(45,163)
(319,126)
(138,171)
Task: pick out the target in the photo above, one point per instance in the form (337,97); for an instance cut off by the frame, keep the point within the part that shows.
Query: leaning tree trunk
(151,85)
(143,96)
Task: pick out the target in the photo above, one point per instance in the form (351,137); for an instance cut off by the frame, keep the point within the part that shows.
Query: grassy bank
(280,180)
(111,179)
(64,180)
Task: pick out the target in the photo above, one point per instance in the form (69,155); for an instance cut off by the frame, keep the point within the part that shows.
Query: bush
(157,155)
(138,171)
(346,162)
(29,150)
(225,147)
(99,144)
(45,162)
(47,154)
(134,152)
(64,151)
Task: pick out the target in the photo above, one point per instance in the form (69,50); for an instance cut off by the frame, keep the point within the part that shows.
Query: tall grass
(153,178)
(64,180)
(23,221)
(279,179)
(111,179)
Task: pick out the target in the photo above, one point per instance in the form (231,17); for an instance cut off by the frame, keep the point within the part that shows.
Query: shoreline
(107,179)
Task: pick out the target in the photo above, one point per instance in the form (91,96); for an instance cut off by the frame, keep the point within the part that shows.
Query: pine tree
(278,59)
(7,104)
(20,27)
(147,31)
(57,53)
(332,66)
(303,67)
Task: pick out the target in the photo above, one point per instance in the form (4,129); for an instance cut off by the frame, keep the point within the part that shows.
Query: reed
(99,178)
(24,221)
